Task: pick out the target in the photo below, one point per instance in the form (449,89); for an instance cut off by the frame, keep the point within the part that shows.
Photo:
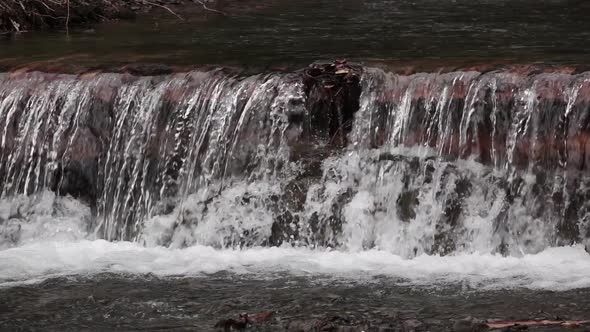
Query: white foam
(42,217)
(560,268)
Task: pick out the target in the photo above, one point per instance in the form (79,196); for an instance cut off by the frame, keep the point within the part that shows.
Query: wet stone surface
(274,303)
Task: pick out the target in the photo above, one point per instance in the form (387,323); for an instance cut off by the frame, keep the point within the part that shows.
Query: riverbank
(30,15)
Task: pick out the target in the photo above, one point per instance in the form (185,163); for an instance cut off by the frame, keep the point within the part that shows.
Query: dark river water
(296,33)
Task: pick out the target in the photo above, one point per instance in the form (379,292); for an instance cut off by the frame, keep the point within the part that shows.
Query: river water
(171,202)
(286,34)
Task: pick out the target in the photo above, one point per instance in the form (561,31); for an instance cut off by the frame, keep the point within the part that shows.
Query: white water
(54,240)
(553,269)
(42,235)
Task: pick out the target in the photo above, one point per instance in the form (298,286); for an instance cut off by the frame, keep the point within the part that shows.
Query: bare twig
(45,5)
(68,19)
(162,6)
(210,9)
(50,16)
(15,25)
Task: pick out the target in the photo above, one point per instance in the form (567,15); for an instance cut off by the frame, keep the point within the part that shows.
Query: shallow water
(287,33)
(122,286)
(115,302)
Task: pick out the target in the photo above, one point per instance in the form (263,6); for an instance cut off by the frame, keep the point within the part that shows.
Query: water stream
(259,34)
(467,186)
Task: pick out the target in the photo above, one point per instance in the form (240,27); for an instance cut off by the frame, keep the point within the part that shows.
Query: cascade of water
(154,138)
(435,163)
(520,189)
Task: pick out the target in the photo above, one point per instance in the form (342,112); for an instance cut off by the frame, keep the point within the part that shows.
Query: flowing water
(393,201)
(203,173)
(278,33)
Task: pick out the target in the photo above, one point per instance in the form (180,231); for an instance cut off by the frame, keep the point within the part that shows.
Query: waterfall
(433,163)
(467,161)
(127,144)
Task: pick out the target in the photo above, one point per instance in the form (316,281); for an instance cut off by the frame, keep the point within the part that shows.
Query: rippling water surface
(114,302)
(288,33)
